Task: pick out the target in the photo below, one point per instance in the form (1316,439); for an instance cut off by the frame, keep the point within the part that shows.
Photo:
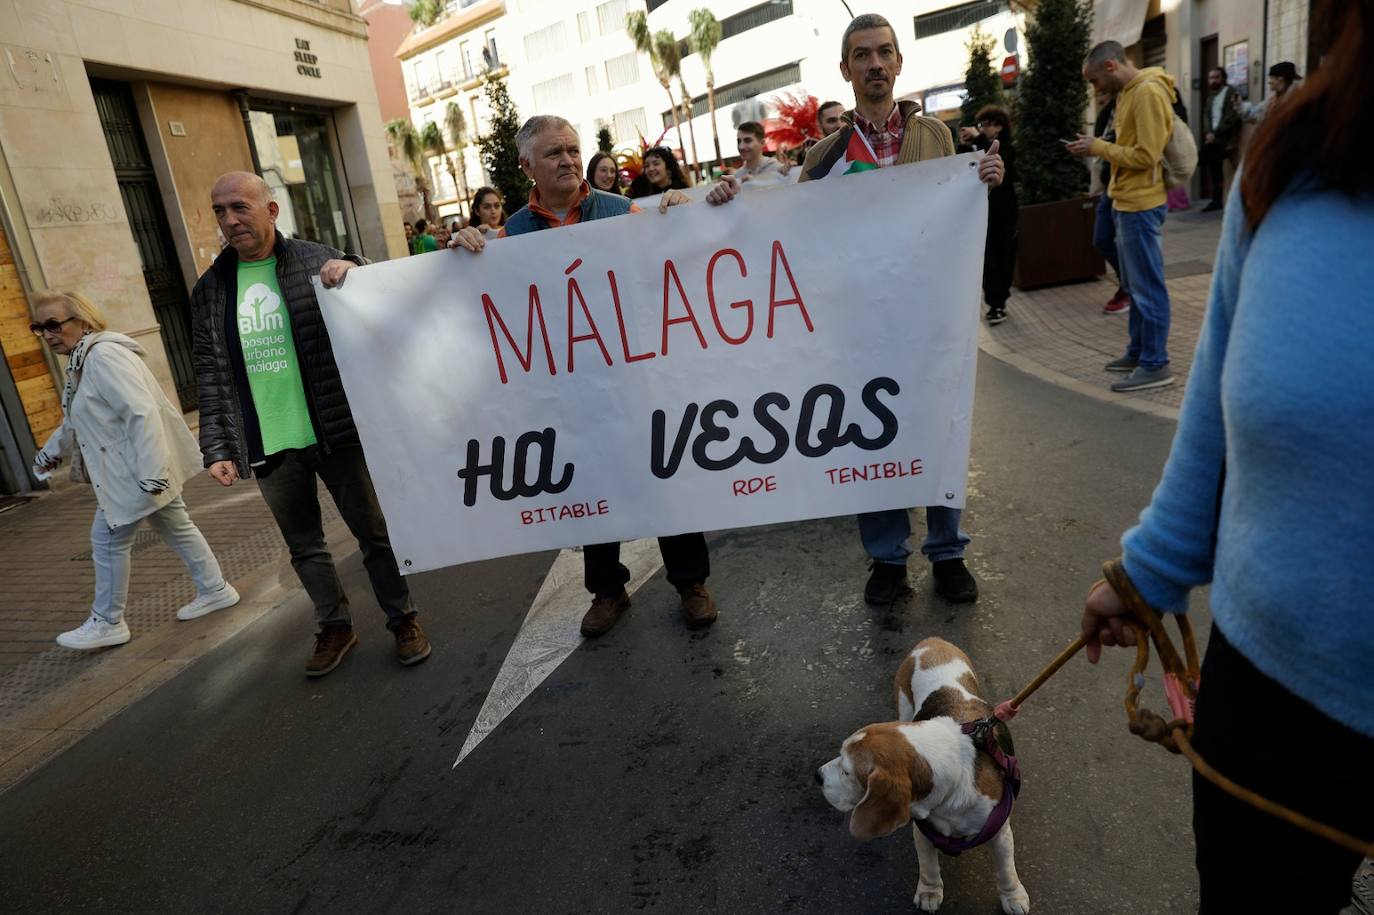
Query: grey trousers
(290,491)
(112,553)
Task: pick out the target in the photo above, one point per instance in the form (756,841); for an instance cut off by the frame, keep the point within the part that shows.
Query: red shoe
(1119,304)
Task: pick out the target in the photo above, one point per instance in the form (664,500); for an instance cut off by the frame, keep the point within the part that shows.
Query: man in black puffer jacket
(272,405)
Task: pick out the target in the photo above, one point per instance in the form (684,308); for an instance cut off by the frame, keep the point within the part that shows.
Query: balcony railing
(423,93)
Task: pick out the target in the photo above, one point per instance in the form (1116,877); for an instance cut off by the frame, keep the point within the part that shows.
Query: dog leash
(1181,680)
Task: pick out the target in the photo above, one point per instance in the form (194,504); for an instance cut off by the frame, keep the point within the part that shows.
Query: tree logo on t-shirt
(260,310)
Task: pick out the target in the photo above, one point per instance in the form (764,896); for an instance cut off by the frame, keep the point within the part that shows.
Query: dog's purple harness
(984,735)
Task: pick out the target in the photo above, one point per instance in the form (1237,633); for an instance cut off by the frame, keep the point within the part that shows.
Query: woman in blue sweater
(1268,494)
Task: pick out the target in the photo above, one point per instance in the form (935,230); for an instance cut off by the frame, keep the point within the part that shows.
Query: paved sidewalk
(51,696)
(1061,335)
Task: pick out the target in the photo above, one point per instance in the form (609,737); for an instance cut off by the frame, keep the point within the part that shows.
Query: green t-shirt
(423,244)
(269,355)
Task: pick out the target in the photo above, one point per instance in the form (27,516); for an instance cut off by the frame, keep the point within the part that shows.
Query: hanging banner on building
(1119,20)
(791,355)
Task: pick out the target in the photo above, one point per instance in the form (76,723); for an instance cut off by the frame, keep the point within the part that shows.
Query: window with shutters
(758,84)
(554,94)
(591,81)
(547,41)
(584,26)
(957,18)
(611,16)
(622,70)
(630,124)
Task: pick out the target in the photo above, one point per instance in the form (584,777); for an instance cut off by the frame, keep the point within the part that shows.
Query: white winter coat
(127,430)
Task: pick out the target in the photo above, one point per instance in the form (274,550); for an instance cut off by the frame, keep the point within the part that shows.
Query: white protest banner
(785,356)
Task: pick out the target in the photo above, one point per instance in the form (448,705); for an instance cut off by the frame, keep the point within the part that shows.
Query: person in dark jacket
(1104,228)
(999,253)
(272,405)
(1221,133)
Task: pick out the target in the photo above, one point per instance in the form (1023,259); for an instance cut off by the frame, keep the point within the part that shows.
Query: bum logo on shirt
(260,310)
(262,331)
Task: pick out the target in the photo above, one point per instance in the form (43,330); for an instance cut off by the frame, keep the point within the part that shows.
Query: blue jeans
(1104,232)
(1142,275)
(112,550)
(885,534)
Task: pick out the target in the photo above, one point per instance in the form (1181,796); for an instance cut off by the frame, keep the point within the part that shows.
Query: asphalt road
(656,769)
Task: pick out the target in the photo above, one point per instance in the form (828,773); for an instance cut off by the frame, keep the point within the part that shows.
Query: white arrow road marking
(550,633)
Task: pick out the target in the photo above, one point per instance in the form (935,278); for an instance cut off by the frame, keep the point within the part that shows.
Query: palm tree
(637,24)
(457,126)
(704,38)
(407,143)
(425,13)
(432,139)
(670,56)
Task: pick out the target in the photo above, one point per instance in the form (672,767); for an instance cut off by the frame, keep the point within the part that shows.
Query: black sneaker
(996,315)
(1123,366)
(886,583)
(953,581)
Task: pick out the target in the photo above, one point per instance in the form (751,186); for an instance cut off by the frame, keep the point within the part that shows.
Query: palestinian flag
(854,156)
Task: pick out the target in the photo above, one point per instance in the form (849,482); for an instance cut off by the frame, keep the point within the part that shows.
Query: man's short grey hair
(524,140)
(1107,50)
(866,21)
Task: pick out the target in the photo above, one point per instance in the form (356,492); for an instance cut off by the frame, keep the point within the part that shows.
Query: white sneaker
(209,603)
(95,633)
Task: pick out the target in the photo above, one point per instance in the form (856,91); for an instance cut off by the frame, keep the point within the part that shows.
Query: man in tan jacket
(897,133)
(1144,123)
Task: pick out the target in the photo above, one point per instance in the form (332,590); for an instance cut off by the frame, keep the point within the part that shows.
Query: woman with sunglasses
(120,434)
(661,173)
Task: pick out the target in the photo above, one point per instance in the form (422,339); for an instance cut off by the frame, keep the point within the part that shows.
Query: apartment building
(115,118)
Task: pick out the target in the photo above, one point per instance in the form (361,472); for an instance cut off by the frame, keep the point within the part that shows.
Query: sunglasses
(50,326)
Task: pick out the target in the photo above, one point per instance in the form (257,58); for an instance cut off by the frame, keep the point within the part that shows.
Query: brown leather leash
(1181,680)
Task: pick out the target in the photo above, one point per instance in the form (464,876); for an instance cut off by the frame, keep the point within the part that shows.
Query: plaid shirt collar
(885,140)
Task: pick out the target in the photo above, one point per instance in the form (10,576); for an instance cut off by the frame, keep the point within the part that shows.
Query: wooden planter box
(1054,244)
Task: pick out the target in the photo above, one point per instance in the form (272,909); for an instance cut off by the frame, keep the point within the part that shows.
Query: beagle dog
(926,769)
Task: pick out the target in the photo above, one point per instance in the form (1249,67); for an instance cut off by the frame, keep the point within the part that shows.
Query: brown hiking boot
(698,606)
(412,645)
(604,613)
(331,644)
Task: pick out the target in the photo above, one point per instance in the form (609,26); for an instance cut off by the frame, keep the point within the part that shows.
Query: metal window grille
(628,124)
(751,18)
(758,84)
(622,70)
(547,41)
(554,94)
(957,17)
(610,16)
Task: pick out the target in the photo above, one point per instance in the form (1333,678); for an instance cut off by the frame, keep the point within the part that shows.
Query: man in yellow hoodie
(1144,122)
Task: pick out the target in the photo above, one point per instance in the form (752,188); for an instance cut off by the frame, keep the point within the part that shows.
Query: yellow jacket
(1144,121)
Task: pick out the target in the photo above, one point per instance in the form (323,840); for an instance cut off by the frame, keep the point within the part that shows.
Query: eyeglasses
(51,326)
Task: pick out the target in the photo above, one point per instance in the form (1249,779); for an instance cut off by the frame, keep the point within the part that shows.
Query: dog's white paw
(1016,902)
(929,896)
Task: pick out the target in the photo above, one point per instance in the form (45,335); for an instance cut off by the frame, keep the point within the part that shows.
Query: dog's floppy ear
(885,808)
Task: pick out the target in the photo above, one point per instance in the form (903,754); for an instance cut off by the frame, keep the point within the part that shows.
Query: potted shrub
(1055,231)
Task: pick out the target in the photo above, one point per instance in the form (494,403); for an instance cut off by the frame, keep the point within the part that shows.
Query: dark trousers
(1213,158)
(288,485)
(1104,233)
(999,256)
(685,559)
(1261,736)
